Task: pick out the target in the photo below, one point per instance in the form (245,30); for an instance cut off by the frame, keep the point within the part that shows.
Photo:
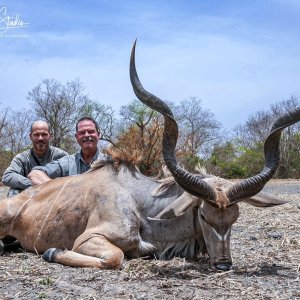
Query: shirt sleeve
(13,177)
(56,168)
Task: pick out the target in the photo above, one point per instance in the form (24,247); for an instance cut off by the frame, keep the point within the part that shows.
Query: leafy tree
(250,139)
(3,124)
(289,146)
(5,154)
(16,131)
(198,129)
(143,130)
(223,161)
(60,106)
(14,135)
(142,134)
(104,116)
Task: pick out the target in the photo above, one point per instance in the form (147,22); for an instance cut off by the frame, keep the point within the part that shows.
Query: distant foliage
(224,162)
(250,139)
(138,131)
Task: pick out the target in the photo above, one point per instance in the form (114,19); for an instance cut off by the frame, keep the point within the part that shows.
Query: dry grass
(265,248)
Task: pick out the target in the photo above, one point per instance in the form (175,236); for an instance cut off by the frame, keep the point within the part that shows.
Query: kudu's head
(217,199)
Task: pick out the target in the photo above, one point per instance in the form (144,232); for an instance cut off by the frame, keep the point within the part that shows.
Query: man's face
(87,136)
(40,137)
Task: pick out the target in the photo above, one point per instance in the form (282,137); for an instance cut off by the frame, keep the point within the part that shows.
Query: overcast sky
(238,57)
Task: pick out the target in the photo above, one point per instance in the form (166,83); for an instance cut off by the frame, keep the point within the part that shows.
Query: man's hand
(37,177)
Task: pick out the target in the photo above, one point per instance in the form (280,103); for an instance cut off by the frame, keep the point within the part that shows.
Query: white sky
(238,57)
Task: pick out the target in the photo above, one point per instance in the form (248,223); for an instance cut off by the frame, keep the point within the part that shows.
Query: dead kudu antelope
(94,219)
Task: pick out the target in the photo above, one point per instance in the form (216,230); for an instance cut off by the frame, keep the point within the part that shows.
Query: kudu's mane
(116,158)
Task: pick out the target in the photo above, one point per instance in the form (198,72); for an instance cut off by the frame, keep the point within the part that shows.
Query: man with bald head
(41,153)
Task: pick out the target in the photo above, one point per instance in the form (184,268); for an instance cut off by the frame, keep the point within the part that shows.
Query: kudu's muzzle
(218,246)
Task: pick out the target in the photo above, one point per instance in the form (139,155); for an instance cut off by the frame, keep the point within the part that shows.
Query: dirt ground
(266,265)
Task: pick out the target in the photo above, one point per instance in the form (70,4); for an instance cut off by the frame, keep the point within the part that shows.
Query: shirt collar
(46,154)
(94,158)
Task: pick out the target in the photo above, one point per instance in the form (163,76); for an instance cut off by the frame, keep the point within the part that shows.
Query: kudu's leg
(88,251)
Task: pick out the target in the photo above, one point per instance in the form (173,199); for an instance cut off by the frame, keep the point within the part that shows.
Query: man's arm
(37,177)
(53,169)
(14,175)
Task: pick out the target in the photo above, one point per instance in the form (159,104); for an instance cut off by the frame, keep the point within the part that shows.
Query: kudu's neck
(143,188)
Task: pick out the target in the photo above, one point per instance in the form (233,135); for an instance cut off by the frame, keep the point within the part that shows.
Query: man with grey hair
(41,153)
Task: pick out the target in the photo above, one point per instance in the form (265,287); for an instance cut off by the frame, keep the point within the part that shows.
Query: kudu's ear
(178,207)
(263,199)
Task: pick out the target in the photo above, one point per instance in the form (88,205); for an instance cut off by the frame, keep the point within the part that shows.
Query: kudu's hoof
(50,254)
(223,266)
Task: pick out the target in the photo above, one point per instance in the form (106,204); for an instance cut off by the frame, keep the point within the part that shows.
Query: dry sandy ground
(265,249)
